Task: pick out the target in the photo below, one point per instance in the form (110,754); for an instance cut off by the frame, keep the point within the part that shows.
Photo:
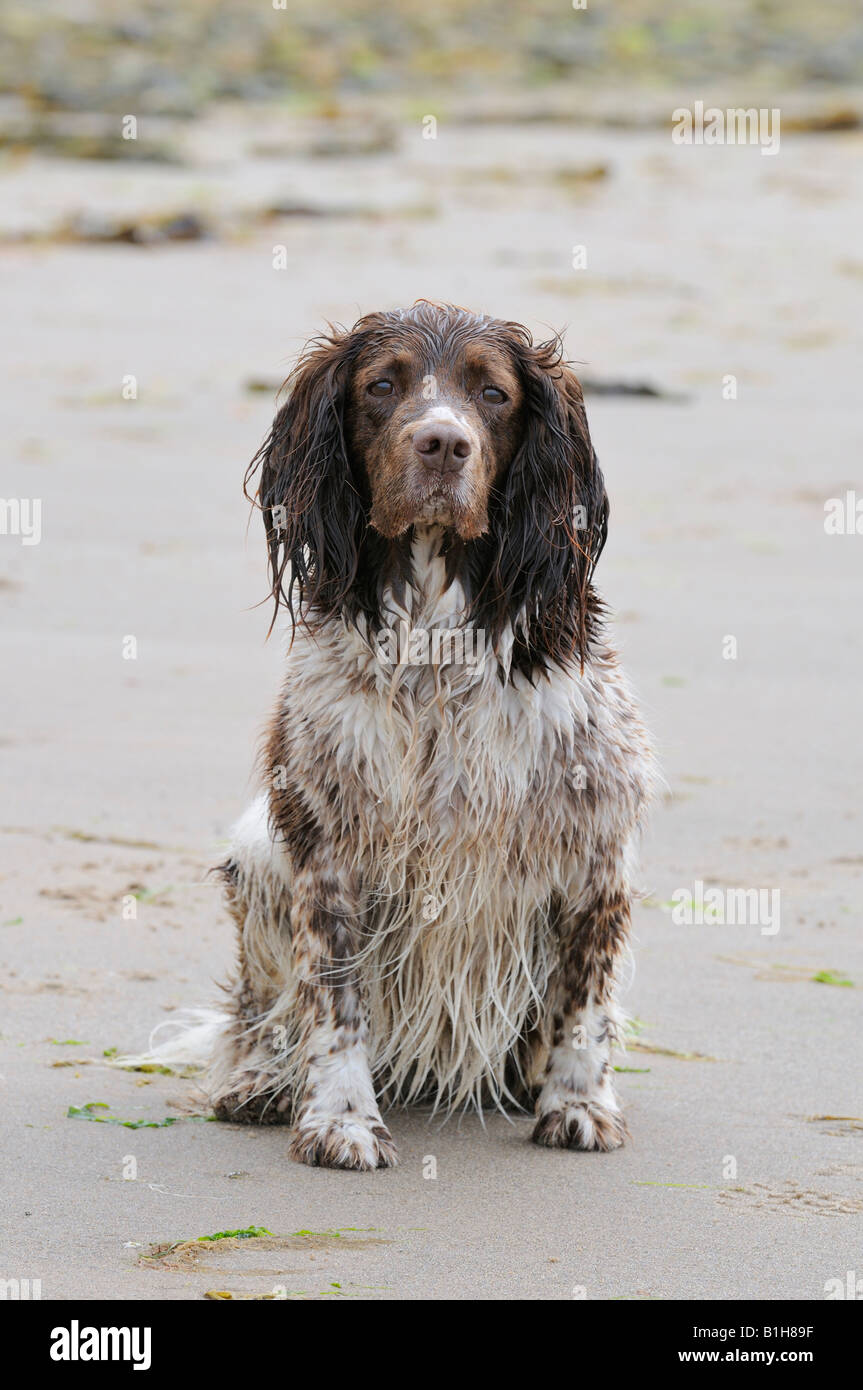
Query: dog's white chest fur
(442,760)
(438,745)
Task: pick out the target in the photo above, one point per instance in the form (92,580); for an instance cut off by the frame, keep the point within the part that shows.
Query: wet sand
(122,777)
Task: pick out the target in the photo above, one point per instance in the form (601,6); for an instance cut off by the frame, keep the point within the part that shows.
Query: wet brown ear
(311,504)
(551,527)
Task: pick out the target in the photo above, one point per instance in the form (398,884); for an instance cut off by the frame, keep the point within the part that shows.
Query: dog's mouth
(440,496)
(442,485)
(436,508)
(449,498)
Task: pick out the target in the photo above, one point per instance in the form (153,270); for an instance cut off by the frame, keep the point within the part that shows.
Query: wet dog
(432,890)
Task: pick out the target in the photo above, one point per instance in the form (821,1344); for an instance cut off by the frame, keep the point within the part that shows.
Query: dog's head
(436,416)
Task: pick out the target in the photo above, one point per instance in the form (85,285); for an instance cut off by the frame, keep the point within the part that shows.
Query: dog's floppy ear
(310,500)
(553,522)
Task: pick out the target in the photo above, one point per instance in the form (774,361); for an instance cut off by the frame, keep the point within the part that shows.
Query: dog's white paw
(350,1140)
(581,1124)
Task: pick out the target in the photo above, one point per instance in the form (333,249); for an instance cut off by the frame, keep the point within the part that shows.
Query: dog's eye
(381,388)
(493,395)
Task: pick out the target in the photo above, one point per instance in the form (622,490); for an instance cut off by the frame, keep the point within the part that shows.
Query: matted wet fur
(432,890)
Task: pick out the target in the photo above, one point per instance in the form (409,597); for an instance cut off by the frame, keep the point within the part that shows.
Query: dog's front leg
(337,1121)
(577,1107)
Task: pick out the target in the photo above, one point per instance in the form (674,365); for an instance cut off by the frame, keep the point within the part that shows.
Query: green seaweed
(88,1112)
(247,1233)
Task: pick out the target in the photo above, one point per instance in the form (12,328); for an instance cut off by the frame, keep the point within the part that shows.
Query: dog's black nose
(443,447)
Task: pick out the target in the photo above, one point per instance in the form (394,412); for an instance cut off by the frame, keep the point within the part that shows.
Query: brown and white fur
(432,890)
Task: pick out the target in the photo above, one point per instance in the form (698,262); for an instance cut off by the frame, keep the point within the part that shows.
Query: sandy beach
(743,1177)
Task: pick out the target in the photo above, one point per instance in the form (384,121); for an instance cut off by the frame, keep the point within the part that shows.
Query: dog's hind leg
(250,1074)
(245,1049)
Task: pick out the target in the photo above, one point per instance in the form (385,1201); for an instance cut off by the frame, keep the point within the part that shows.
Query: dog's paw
(351,1140)
(587,1125)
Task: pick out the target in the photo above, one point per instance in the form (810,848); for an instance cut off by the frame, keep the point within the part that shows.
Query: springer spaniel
(432,891)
